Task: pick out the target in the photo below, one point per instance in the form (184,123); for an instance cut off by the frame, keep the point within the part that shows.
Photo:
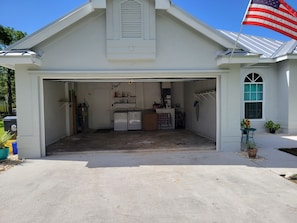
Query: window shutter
(131,19)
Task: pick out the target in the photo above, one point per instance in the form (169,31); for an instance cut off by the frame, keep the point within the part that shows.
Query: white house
(135,48)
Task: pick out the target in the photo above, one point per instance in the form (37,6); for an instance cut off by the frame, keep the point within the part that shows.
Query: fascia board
(127,74)
(228,60)
(99,4)
(200,27)
(12,60)
(162,4)
(53,28)
(286,57)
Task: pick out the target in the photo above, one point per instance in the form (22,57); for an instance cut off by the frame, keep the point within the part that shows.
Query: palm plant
(4,138)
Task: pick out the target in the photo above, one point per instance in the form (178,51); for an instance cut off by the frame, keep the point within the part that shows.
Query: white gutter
(10,58)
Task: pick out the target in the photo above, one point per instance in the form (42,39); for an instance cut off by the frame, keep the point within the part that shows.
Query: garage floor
(132,140)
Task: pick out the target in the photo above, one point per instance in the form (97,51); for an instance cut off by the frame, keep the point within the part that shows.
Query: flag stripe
(273,21)
(280,19)
(277,29)
(275,13)
(289,8)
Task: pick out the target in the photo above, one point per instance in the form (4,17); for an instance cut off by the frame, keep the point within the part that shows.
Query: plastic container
(9,145)
(14,148)
(4,152)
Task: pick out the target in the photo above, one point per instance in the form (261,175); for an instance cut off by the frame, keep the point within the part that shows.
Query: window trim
(263,95)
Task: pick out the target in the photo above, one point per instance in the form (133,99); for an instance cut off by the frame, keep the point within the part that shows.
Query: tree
(8,36)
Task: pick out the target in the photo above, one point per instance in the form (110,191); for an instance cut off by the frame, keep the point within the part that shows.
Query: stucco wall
(275,89)
(83,46)
(28,114)
(229,110)
(287,79)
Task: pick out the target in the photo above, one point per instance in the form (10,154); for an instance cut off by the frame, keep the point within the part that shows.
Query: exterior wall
(178,47)
(273,95)
(205,123)
(292,117)
(82,47)
(283,78)
(54,111)
(229,125)
(28,114)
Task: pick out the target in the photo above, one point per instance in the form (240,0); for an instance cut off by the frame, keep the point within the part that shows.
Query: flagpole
(235,44)
(246,11)
(236,41)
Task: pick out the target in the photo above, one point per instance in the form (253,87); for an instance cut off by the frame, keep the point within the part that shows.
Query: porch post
(230,110)
(28,114)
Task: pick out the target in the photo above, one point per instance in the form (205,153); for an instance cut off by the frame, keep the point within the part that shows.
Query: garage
(146,113)
(161,62)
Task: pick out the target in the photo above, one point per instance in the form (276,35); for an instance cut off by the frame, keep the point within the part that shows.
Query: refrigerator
(120,121)
(134,120)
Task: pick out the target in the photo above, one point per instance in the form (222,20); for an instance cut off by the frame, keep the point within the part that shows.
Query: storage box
(149,121)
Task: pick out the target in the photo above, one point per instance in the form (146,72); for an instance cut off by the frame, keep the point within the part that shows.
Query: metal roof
(266,47)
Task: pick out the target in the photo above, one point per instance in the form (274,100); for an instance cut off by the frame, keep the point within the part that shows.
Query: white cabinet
(127,120)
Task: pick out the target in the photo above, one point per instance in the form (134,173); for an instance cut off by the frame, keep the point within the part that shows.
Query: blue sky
(31,15)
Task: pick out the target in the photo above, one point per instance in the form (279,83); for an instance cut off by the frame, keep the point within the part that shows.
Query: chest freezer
(134,120)
(120,121)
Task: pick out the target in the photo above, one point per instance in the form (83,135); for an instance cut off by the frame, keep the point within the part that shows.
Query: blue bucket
(14,148)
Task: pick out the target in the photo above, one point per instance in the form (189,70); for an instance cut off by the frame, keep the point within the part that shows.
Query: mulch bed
(292,151)
(10,162)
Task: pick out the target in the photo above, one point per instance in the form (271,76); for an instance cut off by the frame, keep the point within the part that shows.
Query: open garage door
(194,100)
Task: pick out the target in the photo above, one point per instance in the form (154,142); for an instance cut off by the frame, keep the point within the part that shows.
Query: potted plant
(252,150)
(271,126)
(4,150)
(245,123)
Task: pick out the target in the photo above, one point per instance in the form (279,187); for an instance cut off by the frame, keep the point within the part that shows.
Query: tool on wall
(196,105)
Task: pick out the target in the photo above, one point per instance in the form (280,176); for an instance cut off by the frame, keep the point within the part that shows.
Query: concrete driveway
(149,186)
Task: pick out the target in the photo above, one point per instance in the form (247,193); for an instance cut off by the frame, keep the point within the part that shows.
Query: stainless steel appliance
(134,120)
(120,121)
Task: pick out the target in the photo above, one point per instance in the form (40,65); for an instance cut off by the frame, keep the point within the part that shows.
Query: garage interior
(129,114)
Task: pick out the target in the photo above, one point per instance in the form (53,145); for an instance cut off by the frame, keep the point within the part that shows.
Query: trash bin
(10,124)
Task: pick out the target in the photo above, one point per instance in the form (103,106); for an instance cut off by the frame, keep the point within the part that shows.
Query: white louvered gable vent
(131,19)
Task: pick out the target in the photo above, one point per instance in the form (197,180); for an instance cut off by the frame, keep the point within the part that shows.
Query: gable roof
(34,39)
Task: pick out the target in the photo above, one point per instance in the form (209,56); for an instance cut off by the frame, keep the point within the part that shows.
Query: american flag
(272,14)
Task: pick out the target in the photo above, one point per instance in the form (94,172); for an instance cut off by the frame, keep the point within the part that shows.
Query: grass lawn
(1,127)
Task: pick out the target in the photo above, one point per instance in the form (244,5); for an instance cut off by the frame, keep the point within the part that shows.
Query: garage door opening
(78,112)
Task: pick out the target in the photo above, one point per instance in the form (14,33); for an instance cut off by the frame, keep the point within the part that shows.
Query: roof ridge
(286,48)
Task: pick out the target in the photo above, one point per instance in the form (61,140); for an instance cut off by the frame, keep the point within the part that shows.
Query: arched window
(253,96)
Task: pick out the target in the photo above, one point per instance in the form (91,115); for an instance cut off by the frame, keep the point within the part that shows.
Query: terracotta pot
(252,153)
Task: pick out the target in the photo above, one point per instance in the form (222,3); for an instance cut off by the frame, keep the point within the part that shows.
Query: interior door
(100,115)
